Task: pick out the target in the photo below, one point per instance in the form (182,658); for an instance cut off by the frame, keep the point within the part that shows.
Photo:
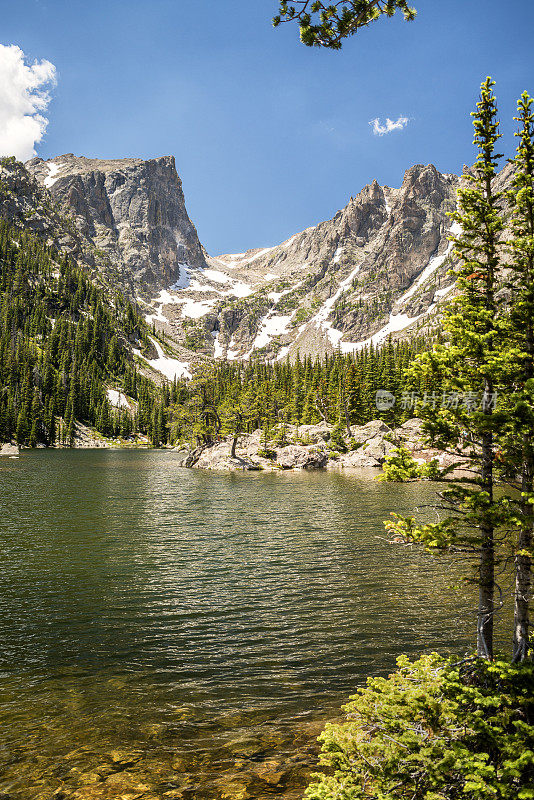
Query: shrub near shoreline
(434,730)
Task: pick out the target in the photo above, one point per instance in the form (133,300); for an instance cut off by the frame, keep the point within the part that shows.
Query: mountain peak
(132,209)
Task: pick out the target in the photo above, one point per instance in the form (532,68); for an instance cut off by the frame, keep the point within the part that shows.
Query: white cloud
(388,126)
(24,96)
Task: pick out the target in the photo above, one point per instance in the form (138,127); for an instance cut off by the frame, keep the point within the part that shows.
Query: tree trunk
(347,417)
(234,445)
(523,562)
(345,405)
(486,596)
(486,593)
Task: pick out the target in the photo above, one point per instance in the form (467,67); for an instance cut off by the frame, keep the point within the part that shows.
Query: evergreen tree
(470,364)
(519,446)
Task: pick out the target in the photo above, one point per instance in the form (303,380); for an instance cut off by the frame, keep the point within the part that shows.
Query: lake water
(173,633)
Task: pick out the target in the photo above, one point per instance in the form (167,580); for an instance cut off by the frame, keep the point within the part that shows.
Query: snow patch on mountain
(51,178)
(337,255)
(171,368)
(270,327)
(157,316)
(216,275)
(218,351)
(431,267)
(321,318)
(184,279)
(117,399)
(194,309)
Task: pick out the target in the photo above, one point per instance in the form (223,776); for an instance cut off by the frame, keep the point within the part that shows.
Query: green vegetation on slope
(62,340)
(230,398)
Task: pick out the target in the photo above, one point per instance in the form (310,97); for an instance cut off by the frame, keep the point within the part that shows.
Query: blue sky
(270,137)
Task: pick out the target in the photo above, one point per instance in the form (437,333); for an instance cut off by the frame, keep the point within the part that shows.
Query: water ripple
(137,597)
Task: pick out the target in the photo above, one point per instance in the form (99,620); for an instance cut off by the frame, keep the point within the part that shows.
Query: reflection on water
(180,634)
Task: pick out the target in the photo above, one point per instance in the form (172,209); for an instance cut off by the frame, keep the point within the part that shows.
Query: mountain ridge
(377,267)
(332,285)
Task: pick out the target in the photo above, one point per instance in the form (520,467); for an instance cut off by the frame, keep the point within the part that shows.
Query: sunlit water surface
(172,633)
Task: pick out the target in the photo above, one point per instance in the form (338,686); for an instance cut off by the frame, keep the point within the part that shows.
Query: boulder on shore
(314,434)
(219,457)
(185,457)
(363,433)
(372,453)
(357,459)
(299,457)
(410,434)
(377,448)
(8,449)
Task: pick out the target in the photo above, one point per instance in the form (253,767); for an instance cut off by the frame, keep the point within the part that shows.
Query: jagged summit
(377,267)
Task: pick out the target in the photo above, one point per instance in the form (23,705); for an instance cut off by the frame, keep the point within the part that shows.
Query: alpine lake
(174,633)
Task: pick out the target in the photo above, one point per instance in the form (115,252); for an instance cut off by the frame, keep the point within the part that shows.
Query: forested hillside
(340,390)
(62,340)
(74,350)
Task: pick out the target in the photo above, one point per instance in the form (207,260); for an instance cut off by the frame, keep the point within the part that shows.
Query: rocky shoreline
(301,447)
(9,450)
(311,447)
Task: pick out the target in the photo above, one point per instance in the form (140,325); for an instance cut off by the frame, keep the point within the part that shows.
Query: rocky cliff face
(377,267)
(133,211)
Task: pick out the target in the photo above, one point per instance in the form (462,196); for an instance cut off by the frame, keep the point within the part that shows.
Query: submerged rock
(234,790)
(272,772)
(245,747)
(124,759)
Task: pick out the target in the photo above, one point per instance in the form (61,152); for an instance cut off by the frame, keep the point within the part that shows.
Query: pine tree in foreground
(433,730)
(518,449)
(470,366)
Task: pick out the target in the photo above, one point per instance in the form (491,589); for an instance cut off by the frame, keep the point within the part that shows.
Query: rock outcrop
(251,456)
(307,447)
(131,210)
(371,454)
(301,457)
(8,449)
(219,457)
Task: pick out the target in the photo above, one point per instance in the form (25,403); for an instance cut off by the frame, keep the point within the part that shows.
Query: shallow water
(177,633)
